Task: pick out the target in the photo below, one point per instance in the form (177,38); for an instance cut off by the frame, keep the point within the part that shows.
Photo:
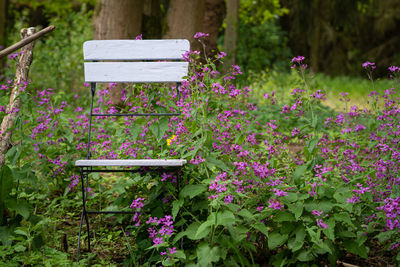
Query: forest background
(260,36)
(39,207)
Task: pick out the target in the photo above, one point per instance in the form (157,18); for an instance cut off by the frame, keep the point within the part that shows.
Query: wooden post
(21,77)
(25,41)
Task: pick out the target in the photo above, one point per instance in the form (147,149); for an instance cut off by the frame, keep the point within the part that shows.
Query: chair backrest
(140,61)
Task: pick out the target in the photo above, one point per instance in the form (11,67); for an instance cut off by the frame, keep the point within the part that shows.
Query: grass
(283,83)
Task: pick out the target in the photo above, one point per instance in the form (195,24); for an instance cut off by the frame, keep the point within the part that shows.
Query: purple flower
(394,68)
(275,204)
(317,213)
(172,250)
(221,55)
(368,64)
(321,223)
(199,35)
(137,203)
(279,193)
(228,199)
(157,241)
(297,59)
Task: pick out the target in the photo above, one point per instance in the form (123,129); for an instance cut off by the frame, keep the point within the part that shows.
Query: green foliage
(261,44)
(59,54)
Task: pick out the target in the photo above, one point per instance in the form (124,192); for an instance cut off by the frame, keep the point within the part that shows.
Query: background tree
(118,20)
(213,18)
(184,19)
(153,18)
(339,35)
(231,31)
(3,13)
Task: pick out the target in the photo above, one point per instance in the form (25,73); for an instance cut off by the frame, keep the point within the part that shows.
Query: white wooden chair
(133,61)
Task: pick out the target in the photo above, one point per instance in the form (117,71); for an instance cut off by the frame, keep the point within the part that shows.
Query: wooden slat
(135,49)
(131,162)
(135,71)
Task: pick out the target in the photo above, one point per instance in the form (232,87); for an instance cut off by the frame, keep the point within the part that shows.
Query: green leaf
(315,235)
(225,217)
(297,243)
(347,234)
(298,173)
(135,130)
(383,236)
(192,190)
(5,235)
(19,248)
(324,205)
(180,255)
(21,232)
(296,209)
(343,217)
(305,256)
(238,232)
(283,216)
(203,230)
(276,239)
(353,247)
(20,206)
(311,144)
(330,231)
(314,122)
(211,162)
(206,255)
(322,248)
(6,182)
(192,230)
(291,197)
(159,128)
(246,214)
(262,228)
(176,205)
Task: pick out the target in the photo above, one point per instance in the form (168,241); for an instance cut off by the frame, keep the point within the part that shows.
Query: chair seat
(131,162)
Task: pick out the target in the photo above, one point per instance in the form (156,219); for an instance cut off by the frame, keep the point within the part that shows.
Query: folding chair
(128,61)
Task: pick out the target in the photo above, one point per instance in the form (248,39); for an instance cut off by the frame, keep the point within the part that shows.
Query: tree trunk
(152,19)
(231,32)
(3,12)
(21,77)
(120,19)
(213,18)
(315,37)
(184,19)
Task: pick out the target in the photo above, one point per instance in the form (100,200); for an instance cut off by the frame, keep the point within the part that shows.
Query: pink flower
(221,55)
(367,64)
(199,35)
(321,223)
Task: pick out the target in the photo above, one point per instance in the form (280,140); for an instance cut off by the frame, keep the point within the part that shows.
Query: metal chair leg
(79,236)
(83,214)
(86,216)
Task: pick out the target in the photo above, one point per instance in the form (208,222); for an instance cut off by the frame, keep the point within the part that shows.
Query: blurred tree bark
(231,32)
(213,17)
(3,12)
(184,19)
(120,19)
(315,36)
(152,21)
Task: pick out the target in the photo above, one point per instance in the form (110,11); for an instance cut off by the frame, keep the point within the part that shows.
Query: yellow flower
(170,140)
